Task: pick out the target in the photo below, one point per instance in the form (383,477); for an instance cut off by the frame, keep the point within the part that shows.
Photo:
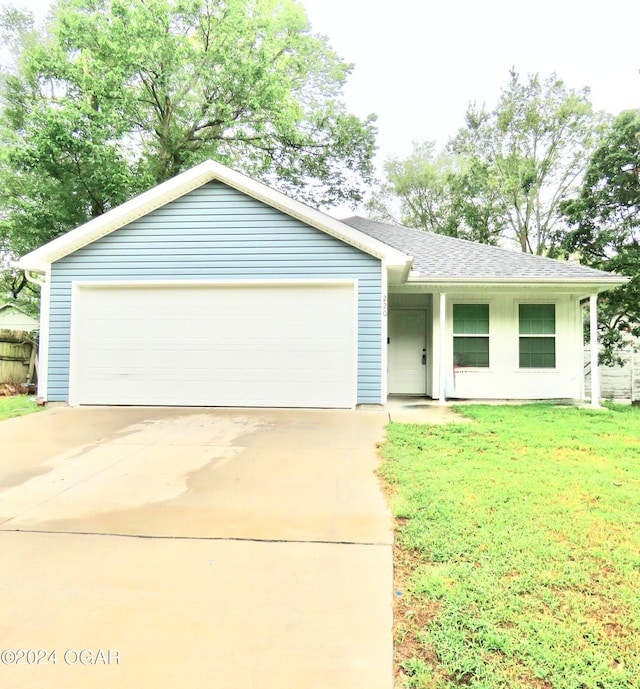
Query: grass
(518,548)
(18,405)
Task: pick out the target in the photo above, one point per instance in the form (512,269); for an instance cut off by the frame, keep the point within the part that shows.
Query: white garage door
(214,345)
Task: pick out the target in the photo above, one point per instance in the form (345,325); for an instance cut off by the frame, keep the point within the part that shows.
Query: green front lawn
(18,405)
(518,557)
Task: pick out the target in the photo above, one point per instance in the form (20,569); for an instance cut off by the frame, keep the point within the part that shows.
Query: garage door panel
(266,345)
(180,392)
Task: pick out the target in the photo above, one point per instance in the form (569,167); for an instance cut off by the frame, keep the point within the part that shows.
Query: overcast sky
(418,63)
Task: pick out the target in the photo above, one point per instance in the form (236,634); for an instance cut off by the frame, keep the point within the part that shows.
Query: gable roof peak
(39,260)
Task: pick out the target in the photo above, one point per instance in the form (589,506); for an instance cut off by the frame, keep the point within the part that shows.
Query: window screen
(537,327)
(471,335)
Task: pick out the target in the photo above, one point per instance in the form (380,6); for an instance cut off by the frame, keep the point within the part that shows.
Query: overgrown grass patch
(518,548)
(17,405)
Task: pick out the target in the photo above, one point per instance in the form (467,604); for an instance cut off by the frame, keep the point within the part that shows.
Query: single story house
(12,317)
(212,289)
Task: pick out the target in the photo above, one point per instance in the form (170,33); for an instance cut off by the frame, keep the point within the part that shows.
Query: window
(471,335)
(537,335)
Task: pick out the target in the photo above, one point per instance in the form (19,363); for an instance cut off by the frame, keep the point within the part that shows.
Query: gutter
(605,279)
(600,283)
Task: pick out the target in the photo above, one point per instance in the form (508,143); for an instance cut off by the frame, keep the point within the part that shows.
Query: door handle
(424,357)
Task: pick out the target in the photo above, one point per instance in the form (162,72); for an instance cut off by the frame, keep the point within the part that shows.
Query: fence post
(32,362)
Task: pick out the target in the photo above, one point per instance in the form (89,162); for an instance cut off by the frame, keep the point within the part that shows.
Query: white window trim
(516,320)
(471,369)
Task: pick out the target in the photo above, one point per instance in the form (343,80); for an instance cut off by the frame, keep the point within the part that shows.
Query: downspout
(34,280)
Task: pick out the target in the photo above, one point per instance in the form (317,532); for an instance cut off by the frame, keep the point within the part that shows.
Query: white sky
(418,63)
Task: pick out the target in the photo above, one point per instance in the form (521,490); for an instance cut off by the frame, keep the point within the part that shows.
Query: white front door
(407,352)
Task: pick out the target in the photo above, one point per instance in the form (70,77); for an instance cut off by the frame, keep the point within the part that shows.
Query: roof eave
(33,266)
(398,274)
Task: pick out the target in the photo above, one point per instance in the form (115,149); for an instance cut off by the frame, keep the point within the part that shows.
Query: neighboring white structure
(618,382)
(14,318)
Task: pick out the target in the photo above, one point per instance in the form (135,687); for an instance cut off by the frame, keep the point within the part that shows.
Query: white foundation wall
(504,379)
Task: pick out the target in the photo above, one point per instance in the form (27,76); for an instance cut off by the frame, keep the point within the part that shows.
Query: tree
(528,155)
(503,177)
(437,192)
(605,227)
(419,183)
(14,287)
(113,96)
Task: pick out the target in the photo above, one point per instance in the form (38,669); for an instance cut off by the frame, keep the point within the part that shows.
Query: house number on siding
(384,305)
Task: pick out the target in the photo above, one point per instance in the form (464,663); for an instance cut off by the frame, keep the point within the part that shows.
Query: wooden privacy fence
(18,357)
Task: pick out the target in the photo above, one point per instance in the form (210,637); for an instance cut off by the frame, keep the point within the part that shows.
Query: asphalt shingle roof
(436,255)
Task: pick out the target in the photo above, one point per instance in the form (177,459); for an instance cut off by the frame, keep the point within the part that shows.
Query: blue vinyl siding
(216,232)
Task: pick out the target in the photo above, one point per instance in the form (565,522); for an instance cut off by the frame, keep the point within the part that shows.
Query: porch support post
(442,348)
(593,337)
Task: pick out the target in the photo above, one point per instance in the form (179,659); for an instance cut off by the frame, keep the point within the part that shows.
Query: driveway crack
(240,539)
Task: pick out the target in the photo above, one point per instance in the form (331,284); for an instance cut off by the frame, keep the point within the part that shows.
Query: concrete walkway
(421,410)
(194,548)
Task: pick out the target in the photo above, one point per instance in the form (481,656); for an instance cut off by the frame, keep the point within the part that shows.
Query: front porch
(489,344)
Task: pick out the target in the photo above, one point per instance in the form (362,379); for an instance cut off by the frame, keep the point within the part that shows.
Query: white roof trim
(577,284)
(612,281)
(40,259)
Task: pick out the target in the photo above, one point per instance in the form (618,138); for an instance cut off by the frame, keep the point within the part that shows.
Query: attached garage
(212,289)
(282,344)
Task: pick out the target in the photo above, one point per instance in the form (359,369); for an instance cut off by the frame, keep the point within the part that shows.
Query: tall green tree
(529,154)
(113,96)
(605,227)
(438,192)
(503,177)
(415,192)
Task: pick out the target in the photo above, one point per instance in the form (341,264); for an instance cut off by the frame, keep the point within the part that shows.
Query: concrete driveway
(194,548)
